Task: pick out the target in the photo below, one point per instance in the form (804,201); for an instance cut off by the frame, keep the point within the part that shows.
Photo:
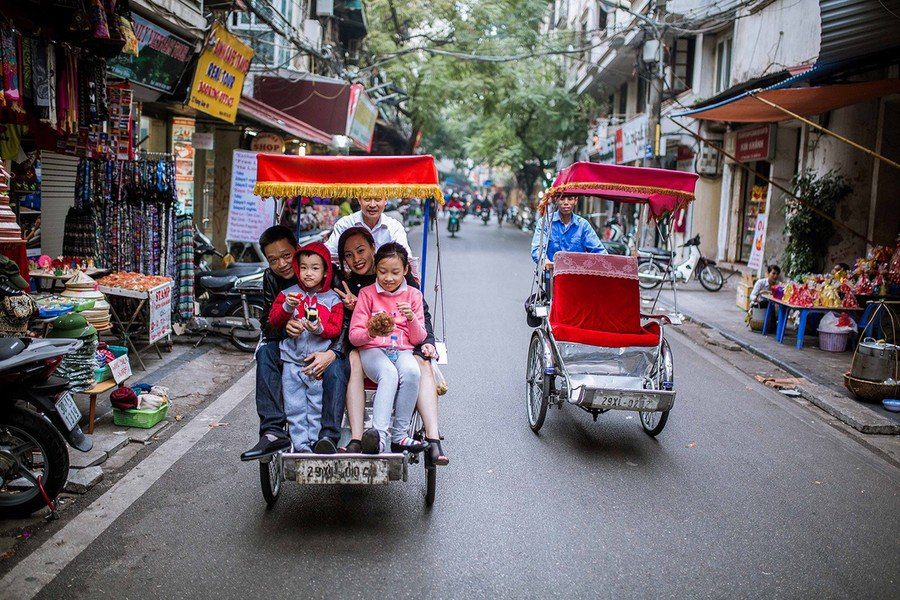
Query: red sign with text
(753,144)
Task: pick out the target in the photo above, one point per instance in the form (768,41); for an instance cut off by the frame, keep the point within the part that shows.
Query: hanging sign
(753,144)
(759,240)
(361,121)
(248,215)
(271,143)
(160,312)
(219,78)
(162,57)
(632,140)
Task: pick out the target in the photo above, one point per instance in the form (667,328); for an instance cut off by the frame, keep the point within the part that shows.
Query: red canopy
(284,176)
(662,189)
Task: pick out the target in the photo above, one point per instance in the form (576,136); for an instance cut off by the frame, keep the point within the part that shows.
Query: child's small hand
(406,310)
(292,300)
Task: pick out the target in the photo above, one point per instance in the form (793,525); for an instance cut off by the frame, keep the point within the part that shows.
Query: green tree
(466,100)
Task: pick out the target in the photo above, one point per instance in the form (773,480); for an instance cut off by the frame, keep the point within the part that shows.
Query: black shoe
(435,454)
(325,446)
(413,447)
(266,447)
(352,447)
(371,442)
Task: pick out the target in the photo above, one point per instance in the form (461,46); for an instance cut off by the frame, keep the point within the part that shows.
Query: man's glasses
(282,258)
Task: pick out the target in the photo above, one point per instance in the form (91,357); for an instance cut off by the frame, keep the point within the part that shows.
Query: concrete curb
(842,408)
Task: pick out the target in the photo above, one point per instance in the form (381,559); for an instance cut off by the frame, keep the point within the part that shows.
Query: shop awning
(259,112)
(746,108)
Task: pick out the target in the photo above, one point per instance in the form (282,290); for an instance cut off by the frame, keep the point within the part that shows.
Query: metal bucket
(875,361)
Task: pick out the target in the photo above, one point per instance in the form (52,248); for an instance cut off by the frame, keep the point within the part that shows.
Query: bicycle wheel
(650,276)
(270,478)
(711,278)
(536,400)
(654,422)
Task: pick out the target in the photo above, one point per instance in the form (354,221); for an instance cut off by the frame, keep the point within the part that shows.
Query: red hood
(323,251)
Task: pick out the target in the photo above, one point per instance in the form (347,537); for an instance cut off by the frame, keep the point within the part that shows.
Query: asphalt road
(743,495)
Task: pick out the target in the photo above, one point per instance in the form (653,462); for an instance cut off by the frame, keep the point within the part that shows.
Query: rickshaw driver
(371,216)
(567,232)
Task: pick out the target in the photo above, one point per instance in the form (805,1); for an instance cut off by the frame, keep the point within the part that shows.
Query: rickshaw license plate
(627,402)
(348,471)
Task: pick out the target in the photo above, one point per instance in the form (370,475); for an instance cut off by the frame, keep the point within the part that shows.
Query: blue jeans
(269,402)
(334,397)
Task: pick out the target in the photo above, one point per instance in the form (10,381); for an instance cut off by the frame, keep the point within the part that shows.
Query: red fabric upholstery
(596,301)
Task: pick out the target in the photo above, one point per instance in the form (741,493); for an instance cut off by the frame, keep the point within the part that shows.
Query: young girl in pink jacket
(385,352)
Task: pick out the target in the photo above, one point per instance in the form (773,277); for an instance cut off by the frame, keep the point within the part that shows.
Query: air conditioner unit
(312,31)
(324,8)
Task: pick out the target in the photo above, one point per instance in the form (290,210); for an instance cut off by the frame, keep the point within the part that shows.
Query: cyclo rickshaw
(336,178)
(592,346)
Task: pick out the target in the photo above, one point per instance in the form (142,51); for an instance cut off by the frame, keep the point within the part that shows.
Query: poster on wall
(219,78)
(183,151)
(248,215)
(759,240)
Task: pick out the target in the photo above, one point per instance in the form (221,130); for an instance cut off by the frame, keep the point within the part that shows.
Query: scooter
(655,265)
(615,241)
(38,416)
(231,299)
(453,221)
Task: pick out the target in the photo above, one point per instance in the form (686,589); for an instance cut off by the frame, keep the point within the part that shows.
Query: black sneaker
(352,447)
(371,442)
(325,446)
(266,447)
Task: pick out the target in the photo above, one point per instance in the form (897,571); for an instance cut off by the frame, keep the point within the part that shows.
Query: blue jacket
(577,236)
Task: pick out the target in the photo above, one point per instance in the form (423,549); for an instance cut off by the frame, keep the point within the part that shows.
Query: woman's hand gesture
(347,297)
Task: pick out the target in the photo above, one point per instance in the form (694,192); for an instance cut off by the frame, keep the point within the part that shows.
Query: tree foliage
(513,114)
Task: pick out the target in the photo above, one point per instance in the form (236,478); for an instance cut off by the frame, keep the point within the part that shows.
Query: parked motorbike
(38,416)
(231,299)
(453,221)
(655,265)
(615,241)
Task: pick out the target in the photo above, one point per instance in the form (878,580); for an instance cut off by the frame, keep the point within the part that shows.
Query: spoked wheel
(650,276)
(536,400)
(664,377)
(711,278)
(270,477)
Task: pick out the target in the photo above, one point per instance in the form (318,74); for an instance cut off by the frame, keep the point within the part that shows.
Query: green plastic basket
(144,419)
(104,373)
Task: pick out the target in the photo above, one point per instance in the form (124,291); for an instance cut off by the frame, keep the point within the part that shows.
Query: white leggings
(398,389)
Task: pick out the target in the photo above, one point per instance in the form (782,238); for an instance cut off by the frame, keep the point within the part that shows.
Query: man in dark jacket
(279,245)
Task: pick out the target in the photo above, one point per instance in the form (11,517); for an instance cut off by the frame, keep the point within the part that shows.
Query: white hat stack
(83,287)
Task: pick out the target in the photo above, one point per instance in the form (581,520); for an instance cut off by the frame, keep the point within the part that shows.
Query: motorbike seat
(657,252)
(242,269)
(217,284)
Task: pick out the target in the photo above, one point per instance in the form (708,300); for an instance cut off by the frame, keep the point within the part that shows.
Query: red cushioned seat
(596,301)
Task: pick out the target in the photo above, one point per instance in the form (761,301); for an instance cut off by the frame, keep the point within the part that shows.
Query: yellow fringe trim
(348,190)
(683,196)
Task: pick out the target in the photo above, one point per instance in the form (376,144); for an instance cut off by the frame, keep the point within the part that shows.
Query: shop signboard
(183,151)
(161,60)
(248,214)
(632,140)
(363,114)
(753,144)
(203,140)
(270,143)
(759,240)
(219,78)
(160,312)
(606,150)
(121,368)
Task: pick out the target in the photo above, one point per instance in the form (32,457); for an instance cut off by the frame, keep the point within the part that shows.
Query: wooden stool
(92,393)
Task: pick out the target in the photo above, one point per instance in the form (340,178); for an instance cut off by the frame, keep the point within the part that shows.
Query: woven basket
(833,342)
(870,391)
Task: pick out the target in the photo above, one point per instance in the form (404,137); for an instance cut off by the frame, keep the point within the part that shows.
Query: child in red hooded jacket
(321,314)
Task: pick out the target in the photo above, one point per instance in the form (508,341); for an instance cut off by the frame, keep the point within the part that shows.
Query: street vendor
(764,285)
(279,247)
(567,231)
(370,215)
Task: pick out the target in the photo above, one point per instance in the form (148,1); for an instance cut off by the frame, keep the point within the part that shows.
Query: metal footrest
(347,469)
(608,392)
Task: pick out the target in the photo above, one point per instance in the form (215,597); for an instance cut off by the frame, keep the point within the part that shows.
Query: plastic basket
(104,373)
(833,342)
(144,419)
